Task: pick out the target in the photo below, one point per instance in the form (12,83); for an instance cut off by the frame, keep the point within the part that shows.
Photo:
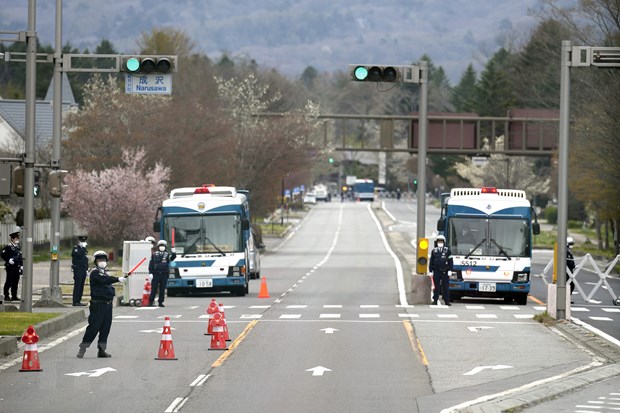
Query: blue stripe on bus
(189,264)
(523,212)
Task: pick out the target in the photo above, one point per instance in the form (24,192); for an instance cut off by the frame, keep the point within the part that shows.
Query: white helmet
(162,242)
(570,241)
(441,238)
(98,255)
(150,239)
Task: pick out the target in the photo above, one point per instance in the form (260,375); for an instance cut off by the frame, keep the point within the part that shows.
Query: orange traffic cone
(218,342)
(211,310)
(146,293)
(263,293)
(30,362)
(226,336)
(166,349)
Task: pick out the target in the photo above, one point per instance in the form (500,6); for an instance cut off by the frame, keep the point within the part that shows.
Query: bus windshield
(191,234)
(505,237)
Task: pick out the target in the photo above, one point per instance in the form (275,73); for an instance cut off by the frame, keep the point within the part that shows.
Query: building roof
(13,112)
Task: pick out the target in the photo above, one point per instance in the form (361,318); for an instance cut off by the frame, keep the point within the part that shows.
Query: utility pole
(422,148)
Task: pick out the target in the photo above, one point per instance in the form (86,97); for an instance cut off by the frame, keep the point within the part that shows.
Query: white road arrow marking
(477,329)
(92,373)
(478,369)
(159,331)
(329,330)
(318,370)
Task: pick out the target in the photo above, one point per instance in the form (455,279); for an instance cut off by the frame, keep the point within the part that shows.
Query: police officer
(152,241)
(440,264)
(570,263)
(158,271)
(14,263)
(79,265)
(102,295)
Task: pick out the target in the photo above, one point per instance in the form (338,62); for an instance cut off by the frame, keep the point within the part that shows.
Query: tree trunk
(599,236)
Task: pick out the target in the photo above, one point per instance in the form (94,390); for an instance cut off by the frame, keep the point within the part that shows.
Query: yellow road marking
(415,343)
(536,300)
(234,344)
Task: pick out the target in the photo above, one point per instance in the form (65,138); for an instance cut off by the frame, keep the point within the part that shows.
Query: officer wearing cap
(79,265)
(14,263)
(102,294)
(440,264)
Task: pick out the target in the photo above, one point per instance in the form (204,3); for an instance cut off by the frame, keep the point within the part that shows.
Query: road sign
(152,84)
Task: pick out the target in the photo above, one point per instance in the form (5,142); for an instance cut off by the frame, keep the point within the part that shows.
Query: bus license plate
(208,283)
(487,287)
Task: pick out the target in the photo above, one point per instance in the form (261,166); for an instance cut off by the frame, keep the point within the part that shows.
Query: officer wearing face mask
(570,263)
(440,264)
(79,265)
(158,271)
(14,263)
(102,295)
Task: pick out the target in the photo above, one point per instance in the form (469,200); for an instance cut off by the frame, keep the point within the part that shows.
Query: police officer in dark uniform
(440,264)
(570,263)
(14,263)
(79,265)
(158,270)
(102,295)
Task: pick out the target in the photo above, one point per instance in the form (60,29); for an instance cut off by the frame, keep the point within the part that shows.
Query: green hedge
(551,215)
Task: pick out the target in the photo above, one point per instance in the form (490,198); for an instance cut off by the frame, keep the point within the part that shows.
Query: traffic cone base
(263,293)
(166,348)
(30,361)
(218,341)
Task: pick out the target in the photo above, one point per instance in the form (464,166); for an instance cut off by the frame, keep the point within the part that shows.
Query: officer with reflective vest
(14,264)
(102,295)
(79,265)
(158,272)
(440,265)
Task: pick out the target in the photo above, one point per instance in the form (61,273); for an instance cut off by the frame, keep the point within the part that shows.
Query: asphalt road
(335,335)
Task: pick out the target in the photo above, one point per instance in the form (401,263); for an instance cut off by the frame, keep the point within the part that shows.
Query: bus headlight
(236,271)
(521,277)
(453,275)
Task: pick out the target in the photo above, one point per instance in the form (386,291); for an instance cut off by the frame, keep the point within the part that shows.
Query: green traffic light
(331,160)
(132,64)
(360,73)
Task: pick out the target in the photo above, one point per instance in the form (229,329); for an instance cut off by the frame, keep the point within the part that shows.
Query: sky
(291,35)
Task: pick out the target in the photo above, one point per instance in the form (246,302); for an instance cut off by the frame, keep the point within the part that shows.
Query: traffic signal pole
(422,147)
(52,296)
(26,235)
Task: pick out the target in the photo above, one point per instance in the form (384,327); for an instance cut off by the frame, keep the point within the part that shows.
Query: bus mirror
(440,225)
(156,226)
(536,228)
(245,224)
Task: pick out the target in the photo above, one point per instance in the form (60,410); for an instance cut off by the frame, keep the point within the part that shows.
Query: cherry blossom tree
(117,203)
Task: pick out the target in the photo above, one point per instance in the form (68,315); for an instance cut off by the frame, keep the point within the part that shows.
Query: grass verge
(14,324)
(545,318)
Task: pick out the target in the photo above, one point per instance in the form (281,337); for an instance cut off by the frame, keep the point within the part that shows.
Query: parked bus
(489,232)
(364,189)
(209,228)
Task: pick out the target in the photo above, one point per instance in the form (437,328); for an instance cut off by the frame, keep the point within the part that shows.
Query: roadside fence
(42,231)
(586,261)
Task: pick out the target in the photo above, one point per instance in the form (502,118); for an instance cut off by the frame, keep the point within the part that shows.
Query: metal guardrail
(603,275)
(42,231)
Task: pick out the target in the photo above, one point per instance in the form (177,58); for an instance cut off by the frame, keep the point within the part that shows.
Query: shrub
(551,215)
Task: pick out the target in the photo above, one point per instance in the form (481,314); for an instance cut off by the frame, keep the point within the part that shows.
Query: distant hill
(291,35)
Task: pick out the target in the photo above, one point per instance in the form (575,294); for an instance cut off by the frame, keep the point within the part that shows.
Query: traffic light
(331,160)
(422,256)
(37,183)
(55,182)
(148,64)
(18,181)
(415,184)
(373,73)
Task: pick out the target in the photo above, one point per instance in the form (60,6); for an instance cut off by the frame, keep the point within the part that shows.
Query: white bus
(489,232)
(209,229)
